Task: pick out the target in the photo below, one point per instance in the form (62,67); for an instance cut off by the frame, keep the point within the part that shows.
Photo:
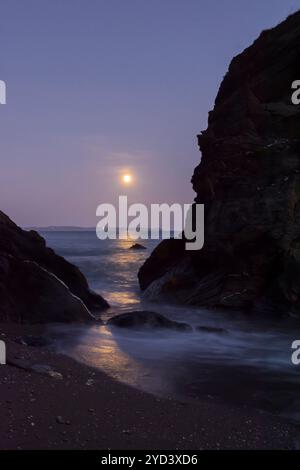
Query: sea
(246,365)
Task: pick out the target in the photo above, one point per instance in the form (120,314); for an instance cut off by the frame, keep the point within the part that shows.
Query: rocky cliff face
(37,285)
(249,181)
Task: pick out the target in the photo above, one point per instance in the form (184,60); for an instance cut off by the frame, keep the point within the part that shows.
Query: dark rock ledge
(146,320)
(37,285)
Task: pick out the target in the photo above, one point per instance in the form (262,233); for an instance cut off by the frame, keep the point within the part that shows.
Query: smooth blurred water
(249,364)
(109,265)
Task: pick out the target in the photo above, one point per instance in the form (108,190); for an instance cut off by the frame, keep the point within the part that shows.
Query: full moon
(127,178)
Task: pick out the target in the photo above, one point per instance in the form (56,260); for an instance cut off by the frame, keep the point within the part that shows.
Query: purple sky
(100,86)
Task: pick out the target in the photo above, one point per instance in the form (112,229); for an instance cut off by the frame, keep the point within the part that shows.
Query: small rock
(41,368)
(211,329)
(61,420)
(55,375)
(34,341)
(137,246)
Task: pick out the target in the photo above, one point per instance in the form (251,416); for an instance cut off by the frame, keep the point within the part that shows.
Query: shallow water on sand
(249,364)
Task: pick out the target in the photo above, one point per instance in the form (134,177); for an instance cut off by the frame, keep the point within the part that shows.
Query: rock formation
(37,285)
(137,246)
(147,320)
(249,181)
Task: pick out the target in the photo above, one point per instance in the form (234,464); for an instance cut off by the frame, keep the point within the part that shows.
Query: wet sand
(86,409)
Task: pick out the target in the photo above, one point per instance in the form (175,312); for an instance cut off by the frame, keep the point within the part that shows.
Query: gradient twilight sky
(95,87)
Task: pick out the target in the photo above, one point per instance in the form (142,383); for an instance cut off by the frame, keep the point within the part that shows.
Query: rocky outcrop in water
(137,246)
(147,320)
(37,285)
(249,181)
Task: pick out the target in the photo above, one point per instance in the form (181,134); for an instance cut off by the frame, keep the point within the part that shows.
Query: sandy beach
(82,408)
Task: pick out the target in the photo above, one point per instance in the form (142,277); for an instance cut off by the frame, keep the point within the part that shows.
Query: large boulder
(249,181)
(37,285)
(146,320)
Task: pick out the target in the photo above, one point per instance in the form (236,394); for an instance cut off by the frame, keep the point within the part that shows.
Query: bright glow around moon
(127,178)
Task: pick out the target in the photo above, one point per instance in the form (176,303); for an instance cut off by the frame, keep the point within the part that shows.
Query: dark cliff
(249,181)
(37,285)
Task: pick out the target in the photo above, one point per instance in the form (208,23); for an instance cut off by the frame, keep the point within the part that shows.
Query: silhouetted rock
(37,285)
(163,257)
(137,246)
(249,181)
(43,369)
(34,341)
(144,319)
(211,329)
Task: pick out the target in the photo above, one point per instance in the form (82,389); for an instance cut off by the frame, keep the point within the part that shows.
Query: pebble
(61,420)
